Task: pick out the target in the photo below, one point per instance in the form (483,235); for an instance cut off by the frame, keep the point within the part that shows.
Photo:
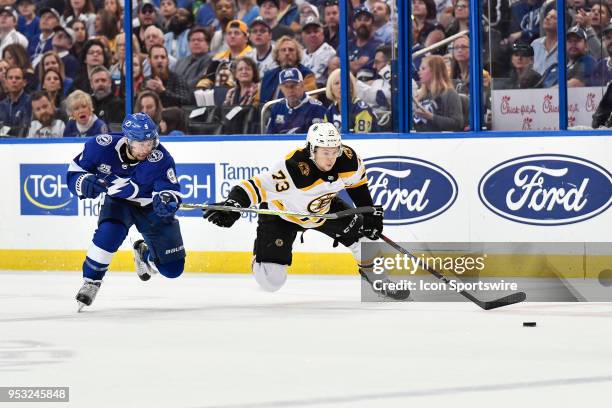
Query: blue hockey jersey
(284,119)
(98,127)
(105,156)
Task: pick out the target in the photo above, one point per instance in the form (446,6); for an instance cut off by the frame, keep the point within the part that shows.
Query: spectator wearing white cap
(8,33)
(49,19)
(317,52)
(297,111)
(62,42)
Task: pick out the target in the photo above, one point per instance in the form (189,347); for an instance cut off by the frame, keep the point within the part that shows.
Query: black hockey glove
(166,203)
(223,219)
(89,186)
(373,223)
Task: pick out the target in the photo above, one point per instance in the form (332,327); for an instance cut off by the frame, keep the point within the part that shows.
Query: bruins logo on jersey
(320,203)
(348,152)
(304,168)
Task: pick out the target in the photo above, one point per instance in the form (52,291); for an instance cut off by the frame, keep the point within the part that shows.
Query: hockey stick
(486,305)
(267,211)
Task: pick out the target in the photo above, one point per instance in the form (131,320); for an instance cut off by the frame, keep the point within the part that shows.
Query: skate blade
(80,306)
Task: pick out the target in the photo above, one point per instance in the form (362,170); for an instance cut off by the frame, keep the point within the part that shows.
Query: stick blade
(511,299)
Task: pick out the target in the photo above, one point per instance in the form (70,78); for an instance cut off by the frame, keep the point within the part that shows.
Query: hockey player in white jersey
(307,181)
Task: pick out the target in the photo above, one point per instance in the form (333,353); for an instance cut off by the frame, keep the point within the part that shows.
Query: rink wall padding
(434,189)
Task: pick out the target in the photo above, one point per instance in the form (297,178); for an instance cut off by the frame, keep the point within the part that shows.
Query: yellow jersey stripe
(249,189)
(359,183)
(313,185)
(262,191)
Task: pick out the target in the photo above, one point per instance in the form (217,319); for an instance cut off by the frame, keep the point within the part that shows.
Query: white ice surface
(217,341)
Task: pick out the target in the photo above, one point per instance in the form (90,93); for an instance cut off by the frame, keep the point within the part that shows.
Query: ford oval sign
(410,190)
(546,189)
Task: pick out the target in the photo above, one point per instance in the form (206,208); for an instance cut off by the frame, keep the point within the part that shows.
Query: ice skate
(143,268)
(399,294)
(87,293)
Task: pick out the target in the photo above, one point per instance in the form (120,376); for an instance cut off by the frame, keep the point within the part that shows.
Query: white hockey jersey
(297,185)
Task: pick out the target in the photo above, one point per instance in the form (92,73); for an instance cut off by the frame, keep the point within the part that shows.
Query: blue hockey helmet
(139,127)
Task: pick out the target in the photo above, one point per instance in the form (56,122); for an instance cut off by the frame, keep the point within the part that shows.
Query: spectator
(545,47)
(83,10)
(382,22)
(377,92)
(580,65)
(424,20)
(287,54)
(600,17)
(45,123)
(583,20)
(525,23)
(106,105)
(522,76)
(215,90)
(83,122)
(117,68)
(62,42)
(361,117)
(80,37)
(603,114)
(8,32)
(363,47)
(171,88)
(603,70)
(4,65)
(438,107)
(15,109)
(167,10)
(176,39)
(93,55)
(50,60)
(191,66)
(155,36)
(246,90)
(288,15)
(297,111)
(460,65)
(260,36)
(236,36)
(307,10)
(148,102)
(16,55)
(269,9)
(49,19)
(52,83)
(106,27)
(461,18)
(173,122)
(138,78)
(317,52)
(147,16)
(225,11)
(28,22)
(205,14)
(331,17)
(247,11)
(115,7)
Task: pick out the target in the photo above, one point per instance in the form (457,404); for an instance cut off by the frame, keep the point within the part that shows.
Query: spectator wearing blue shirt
(580,65)
(297,111)
(289,15)
(382,22)
(28,22)
(248,11)
(83,122)
(363,48)
(176,39)
(15,109)
(49,19)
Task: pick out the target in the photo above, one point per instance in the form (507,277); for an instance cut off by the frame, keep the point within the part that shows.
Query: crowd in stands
(209,66)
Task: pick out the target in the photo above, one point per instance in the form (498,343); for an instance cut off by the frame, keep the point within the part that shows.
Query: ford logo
(546,189)
(410,190)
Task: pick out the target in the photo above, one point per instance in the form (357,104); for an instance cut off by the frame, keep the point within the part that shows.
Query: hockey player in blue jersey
(297,111)
(138,177)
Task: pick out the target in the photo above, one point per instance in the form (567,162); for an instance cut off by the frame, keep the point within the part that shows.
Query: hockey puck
(529,324)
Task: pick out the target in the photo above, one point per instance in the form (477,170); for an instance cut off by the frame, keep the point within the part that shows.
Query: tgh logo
(546,189)
(410,190)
